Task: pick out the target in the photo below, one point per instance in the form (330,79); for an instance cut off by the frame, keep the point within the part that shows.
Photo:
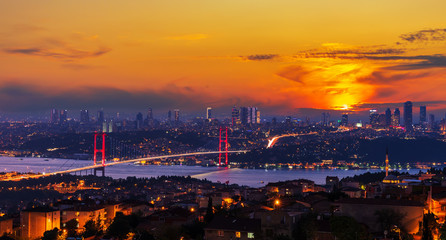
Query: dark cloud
(415,62)
(63,54)
(359,52)
(382,77)
(427,35)
(25,98)
(24,50)
(425,61)
(22,98)
(260,57)
(384,93)
(294,73)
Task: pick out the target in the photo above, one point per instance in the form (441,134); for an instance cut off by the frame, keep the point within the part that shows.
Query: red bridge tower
(225,141)
(102,151)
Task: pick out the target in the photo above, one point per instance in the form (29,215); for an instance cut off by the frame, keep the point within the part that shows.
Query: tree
(144,235)
(71,227)
(347,228)
(51,234)
(430,226)
(442,232)
(120,227)
(388,219)
(194,230)
(305,228)
(209,211)
(91,228)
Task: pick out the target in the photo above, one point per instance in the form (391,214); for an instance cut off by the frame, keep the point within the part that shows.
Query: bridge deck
(121,162)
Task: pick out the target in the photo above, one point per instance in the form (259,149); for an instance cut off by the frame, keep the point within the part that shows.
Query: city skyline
(190,56)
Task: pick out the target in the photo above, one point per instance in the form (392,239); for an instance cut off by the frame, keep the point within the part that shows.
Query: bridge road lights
(225,141)
(102,151)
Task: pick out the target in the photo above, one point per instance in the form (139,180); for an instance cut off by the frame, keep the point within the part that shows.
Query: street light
(276,203)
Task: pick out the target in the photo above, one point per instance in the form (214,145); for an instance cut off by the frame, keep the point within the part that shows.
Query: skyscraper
(208,113)
(252,115)
(63,116)
(325,118)
(54,116)
(101,118)
(396,120)
(431,121)
(374,118)
(149,114)
(169,116)
(177,115)
(235,115)
(388,117)
(258,117)
(244,115)
(85,117)
(139,120)
(423,114)
(408,116)
(344,119)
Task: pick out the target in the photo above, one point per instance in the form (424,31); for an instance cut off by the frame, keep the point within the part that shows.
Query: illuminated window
(238,235)
(220,233)
(250,235)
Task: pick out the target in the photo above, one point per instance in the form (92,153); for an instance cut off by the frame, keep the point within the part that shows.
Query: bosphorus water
(248,177)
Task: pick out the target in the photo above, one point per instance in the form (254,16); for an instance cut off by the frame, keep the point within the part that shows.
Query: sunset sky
(283,56)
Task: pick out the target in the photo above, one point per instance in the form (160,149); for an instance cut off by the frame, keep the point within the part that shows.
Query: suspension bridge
(122,153)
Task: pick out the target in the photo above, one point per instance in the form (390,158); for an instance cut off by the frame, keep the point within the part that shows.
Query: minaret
(387,162)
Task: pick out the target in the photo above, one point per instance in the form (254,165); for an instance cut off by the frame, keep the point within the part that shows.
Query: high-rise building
(431,121)
(388,117)
(235,115)
(244,115)
(387,162)
(54,116)
(139,120)
(325,118)
(85,117)
(423,118)
(258,117)
(396,118)
(374,118)
(208,113)
(177,115)
(169,116)
(344,119)
(252,115)
(408,123)
(63,116)
(101,118)
(149,114)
